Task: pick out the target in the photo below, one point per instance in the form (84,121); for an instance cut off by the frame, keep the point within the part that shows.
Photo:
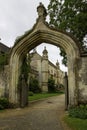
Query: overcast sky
(18,16)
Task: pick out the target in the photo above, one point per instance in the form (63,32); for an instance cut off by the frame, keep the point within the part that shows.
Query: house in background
(41,68)
(4,48)
(4,70)
(45,69)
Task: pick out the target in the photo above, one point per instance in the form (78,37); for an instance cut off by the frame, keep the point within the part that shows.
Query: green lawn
(42,95)
(2,111)
(76,123)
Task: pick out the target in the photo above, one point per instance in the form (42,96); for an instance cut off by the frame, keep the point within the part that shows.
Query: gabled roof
(4,48)
(36,53)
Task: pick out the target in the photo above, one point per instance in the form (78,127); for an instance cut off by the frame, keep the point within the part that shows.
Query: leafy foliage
(30,93)
(51,85)
(3,60)
(34,85)
(4,103)
(75,123)
(25,68)
(79,112)
(70,16)
(24,73)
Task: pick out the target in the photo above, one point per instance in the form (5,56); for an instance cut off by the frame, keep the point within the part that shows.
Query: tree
(70,16)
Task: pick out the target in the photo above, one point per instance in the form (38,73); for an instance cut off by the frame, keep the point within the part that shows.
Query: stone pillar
(45,70)
(72,81)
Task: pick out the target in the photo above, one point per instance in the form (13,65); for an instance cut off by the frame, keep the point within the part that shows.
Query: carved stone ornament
(41,11)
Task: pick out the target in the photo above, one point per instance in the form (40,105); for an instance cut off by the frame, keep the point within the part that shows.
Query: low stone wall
(4,82)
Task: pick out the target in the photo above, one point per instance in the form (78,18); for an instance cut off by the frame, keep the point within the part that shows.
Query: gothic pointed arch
(42,32)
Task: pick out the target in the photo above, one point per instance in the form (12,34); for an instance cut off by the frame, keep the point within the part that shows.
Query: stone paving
(42,115)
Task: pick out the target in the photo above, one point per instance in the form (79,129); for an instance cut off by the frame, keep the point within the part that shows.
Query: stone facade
(82,80)
(4,82)
(4,48)
(4,73)
(45,69)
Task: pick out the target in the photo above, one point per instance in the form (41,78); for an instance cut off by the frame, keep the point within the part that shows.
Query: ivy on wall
(3,60)
(25,68)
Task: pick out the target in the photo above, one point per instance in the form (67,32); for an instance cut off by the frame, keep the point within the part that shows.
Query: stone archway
(42,32)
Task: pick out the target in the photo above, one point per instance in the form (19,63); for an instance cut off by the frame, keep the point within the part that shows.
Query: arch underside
(38,37)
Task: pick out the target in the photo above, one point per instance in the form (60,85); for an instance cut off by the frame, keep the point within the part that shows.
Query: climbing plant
(24,71)
(25,68)
(3,60)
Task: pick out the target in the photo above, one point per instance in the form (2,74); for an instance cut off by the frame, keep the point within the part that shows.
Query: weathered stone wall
(52,70)
(4,82)
(61,77)
(36,63)
(44,75)
(57,74)
(82,80)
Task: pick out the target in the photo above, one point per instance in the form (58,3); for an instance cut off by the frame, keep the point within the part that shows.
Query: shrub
(79,112)
(4,103)
(34,85)
(1,107)
(51,85)
(30,93)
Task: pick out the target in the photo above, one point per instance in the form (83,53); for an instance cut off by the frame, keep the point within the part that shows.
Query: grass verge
(2,111)
(76,123)
(43,95)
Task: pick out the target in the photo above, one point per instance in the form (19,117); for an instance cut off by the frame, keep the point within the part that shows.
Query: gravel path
(42,115)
